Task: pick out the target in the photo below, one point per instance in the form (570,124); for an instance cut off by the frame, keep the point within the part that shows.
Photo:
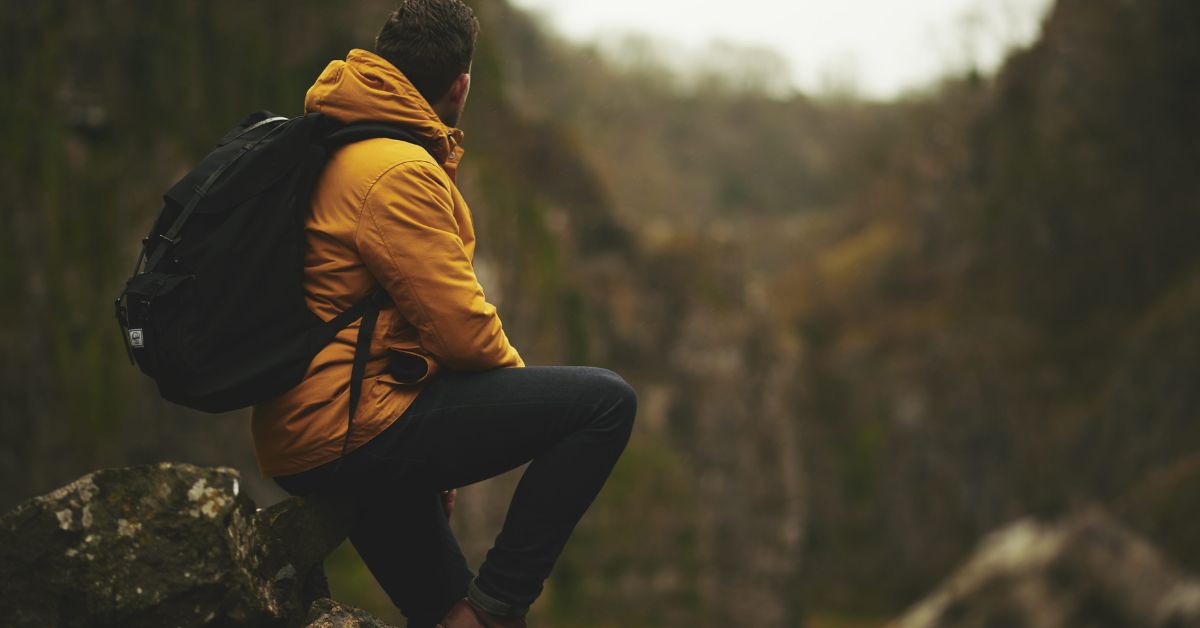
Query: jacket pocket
(408,367)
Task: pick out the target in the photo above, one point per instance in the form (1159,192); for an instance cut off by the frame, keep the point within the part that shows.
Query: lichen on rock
(162,545)
(326,613)
(210,500)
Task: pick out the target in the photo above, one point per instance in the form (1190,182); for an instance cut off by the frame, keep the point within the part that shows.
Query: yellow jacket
(384,213)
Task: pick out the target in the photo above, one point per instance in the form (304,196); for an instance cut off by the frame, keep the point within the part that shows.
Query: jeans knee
(619,400)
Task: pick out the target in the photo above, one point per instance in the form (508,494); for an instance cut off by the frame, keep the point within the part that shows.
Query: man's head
(432,42)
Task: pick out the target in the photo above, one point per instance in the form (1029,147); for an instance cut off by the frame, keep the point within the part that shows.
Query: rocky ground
(180,545)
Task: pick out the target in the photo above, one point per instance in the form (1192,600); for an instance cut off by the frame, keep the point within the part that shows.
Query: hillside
(960,308)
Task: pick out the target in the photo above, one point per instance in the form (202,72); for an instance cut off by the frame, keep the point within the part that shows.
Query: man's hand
(448,499)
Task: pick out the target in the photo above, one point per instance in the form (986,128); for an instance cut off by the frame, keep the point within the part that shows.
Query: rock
(1085,571)
(326,613)
(164,545)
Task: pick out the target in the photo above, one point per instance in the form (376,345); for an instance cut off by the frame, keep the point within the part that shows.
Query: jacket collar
(367,87)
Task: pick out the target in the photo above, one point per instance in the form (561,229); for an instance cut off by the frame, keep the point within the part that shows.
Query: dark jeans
(571,422)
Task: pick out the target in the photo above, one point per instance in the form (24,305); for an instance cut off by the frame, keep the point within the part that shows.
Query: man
(446,400)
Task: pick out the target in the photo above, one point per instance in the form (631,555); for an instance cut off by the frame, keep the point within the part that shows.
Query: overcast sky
(880,46)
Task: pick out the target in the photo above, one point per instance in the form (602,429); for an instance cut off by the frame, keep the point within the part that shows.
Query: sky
(875,48)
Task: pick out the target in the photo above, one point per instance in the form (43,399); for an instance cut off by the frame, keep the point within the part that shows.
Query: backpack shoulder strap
(359,131)
(366,310)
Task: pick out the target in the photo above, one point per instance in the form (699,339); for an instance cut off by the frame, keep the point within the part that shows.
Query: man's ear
(457,94)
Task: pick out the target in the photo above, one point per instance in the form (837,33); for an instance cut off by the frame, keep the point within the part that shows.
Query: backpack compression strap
(171,236)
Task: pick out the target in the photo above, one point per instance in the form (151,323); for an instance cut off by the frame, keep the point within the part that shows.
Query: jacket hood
(367,87)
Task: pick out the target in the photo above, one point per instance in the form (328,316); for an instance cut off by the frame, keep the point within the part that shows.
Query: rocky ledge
(169,545)
(1085,571)
(177,545)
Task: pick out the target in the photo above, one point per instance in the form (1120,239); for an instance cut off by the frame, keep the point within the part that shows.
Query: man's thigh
(466,427)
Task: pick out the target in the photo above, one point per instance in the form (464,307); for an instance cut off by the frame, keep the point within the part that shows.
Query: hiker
(446,400)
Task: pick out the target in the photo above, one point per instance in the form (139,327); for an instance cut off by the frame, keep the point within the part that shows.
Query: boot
(464,614)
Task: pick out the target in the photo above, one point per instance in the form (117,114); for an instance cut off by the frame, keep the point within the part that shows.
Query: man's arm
(408,239)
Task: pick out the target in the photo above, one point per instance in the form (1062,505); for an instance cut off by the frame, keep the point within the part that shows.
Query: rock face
(1086,571)
(166,545)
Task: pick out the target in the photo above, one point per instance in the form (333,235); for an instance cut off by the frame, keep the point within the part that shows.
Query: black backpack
(215,310)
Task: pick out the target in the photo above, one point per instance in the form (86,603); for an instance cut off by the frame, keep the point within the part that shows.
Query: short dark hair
(431,42)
